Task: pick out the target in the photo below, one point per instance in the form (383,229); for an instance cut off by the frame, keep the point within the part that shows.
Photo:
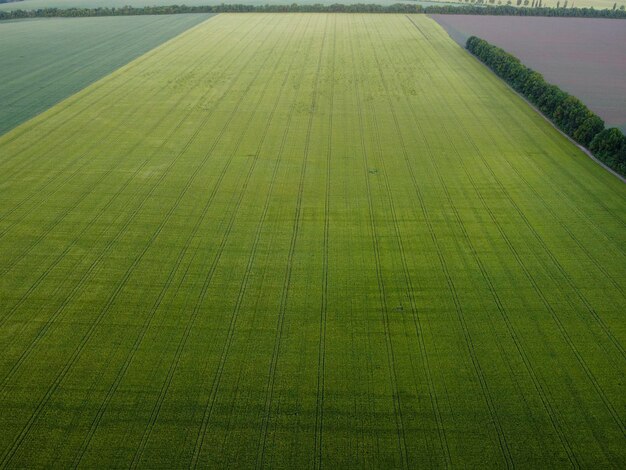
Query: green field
(47,60)
(308,240)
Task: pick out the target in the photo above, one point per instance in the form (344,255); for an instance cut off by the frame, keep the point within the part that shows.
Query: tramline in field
(306,240)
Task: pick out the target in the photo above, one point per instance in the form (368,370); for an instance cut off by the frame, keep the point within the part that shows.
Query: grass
(302,241)
(47,60)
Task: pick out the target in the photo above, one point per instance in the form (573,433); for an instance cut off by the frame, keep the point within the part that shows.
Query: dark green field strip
(308,240)
(45,61)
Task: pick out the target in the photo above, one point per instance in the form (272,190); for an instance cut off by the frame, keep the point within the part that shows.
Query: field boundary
(580,147)
(576,144)
(90,83)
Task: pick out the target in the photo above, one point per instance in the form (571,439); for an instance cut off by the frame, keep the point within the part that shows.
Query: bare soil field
(584,56)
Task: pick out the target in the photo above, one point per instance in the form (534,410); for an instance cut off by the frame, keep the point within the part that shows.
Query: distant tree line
(505,10)
(565,110)
(537,10)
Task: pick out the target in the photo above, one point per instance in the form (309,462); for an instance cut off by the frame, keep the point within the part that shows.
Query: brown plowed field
(584,56)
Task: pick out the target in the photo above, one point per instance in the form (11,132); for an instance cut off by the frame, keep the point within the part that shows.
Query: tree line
(504,10)
(566,111)
(536,10)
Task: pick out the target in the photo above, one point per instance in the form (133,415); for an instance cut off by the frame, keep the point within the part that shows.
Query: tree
(607,143)
(570,115)
(609,146)
(589,128)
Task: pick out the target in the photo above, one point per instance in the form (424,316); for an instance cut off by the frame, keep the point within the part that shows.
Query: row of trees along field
(536,9)
(504,10)
(532,4)
(566,111)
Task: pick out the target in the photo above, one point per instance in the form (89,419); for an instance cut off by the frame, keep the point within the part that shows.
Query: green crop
(308,240)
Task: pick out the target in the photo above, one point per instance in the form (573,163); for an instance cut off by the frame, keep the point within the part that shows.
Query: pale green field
(308,241)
